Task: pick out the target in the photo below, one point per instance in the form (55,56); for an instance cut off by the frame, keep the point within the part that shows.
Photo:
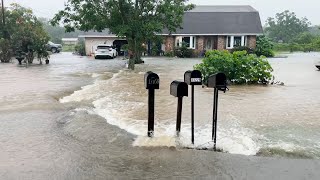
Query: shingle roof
(211,20)
(223,9)
(218,20)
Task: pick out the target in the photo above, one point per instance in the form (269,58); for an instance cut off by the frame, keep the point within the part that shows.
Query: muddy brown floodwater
(80,118)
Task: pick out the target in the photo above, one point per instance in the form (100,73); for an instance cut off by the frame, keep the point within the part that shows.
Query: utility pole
(3,18)
(3,22)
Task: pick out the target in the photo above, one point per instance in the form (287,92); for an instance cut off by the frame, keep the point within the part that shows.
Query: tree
(304,38)
(5,49)
(28,33)
(286,26)
(136,20)
(264,47)
(56,33)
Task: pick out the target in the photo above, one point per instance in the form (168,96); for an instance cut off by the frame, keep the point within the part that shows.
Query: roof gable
(219,20)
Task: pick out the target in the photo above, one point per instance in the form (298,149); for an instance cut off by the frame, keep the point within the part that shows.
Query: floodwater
(80,118)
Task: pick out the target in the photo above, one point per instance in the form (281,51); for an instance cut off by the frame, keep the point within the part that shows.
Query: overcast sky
(267,8)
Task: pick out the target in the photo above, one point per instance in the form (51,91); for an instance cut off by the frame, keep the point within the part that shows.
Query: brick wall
(221,43)
(252,41)
(169,43)
(200,43)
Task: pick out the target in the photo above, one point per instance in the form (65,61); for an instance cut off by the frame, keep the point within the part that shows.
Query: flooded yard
(79,118)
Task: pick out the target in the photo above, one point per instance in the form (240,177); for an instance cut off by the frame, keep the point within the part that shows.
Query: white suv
(105,51)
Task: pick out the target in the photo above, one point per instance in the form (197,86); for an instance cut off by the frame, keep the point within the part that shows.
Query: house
(69,41)
(203,28)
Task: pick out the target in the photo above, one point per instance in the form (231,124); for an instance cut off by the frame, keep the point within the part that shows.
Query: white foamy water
(251,119)
(124,108)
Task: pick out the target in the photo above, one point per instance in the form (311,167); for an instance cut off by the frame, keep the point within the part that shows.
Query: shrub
(169,54)
(264,47)
(183,51)
(240,67)
(5,51)
(293,47)
(281,47)
(80,48)
(243,48)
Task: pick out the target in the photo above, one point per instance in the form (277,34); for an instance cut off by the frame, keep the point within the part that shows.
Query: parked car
(105,51)
(54,48)
(318,64)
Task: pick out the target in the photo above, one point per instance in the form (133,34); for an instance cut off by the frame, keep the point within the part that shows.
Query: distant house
(70,41)
(203,28)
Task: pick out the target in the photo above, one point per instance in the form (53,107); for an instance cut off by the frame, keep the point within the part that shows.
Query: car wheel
(53,50)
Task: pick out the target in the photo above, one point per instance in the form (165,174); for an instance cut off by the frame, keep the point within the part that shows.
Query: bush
(183,51)
(264,47)
(240,67)
(243,48)
(5,51)
(281,47)
(169,54)
(80,48)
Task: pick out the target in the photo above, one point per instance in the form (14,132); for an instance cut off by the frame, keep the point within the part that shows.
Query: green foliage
(80,48)
(26,32)
(169,54)
(68,48)
(264,47)
(138,21)
(286,26)
(5,51)
(183,51)
(240,67)
(304,38)
(315,30)
(243,48)
(56,33)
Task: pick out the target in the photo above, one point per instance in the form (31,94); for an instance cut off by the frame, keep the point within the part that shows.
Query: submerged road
(41,138)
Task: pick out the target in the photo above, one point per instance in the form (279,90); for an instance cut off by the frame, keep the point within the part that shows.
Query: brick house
(217,27)
(203,28)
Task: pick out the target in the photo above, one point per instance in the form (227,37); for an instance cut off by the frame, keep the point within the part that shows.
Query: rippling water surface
(252,119)
(57,113)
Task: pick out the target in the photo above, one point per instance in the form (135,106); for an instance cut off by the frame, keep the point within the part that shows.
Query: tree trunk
(135,55)
(30,57)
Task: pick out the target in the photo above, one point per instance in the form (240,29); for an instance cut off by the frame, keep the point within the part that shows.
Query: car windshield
(103,47)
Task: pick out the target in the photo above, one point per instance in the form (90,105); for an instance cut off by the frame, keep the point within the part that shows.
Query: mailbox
(218,80)
(193,77)
(151,80)
(179,89)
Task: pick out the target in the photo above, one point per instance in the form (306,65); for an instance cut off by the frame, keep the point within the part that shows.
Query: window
(190,41)
(193,42)
(209,44)
(236,41)
(229,42)
(186,40)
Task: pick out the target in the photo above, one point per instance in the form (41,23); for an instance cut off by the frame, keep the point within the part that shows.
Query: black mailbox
(179,89)
(193,77)
(218,80)
(151,80)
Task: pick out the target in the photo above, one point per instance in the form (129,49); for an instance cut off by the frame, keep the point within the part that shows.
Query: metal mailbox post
(179,89)
(192,78)
(152,82)
(219,83)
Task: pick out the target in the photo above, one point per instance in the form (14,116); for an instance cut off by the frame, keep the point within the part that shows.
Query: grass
(68,48)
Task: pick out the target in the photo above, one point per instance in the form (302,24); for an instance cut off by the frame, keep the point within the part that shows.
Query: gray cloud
(267,8)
